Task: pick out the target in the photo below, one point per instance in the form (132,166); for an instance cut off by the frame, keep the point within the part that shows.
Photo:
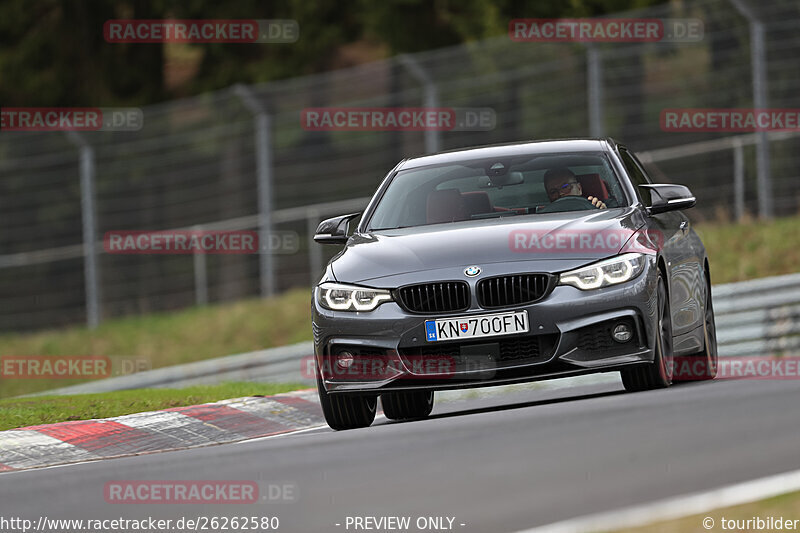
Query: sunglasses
(563,188)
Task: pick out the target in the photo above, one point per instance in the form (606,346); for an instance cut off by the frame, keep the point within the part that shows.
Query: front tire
(658,374)
(346,411)
(407,405)
(708,355)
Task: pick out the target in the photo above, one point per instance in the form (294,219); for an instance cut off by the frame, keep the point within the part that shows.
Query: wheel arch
(661,264)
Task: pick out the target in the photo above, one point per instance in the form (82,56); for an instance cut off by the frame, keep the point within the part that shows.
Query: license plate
(473,327)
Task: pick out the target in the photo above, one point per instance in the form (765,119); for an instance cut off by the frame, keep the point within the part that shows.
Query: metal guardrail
(758,317)
(277,365)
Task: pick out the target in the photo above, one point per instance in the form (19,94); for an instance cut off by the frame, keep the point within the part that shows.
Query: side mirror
(334,230)
(667,197)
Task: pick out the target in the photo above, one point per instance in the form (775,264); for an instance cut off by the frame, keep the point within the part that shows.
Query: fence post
(91,270)
(738,178)
(431,98)
(200,274)
(758,58)
(266,265)
(314,249)
(594,85)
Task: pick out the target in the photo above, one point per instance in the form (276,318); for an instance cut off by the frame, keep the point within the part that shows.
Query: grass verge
(785,505)
(748,250)
(22,412)
(166,339)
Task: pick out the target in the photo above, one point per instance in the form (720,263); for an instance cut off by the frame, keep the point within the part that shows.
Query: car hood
(384,253)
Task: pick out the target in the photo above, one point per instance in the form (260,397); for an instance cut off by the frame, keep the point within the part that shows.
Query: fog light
(345,359)
(622,333)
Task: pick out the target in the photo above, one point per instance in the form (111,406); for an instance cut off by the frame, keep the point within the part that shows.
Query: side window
(637,175)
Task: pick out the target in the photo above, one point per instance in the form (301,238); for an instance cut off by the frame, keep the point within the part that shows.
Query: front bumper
(569,335)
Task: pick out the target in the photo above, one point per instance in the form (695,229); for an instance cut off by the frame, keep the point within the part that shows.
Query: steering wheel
(568,203)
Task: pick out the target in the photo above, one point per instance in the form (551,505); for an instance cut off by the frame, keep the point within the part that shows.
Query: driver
(560,182)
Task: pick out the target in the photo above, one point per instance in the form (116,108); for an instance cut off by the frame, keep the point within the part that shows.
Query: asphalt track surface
(494,464)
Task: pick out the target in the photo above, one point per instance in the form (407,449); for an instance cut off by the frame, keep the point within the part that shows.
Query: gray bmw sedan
(505,264)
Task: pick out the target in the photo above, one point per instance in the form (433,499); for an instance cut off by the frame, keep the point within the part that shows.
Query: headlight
(338,297)
(607,272)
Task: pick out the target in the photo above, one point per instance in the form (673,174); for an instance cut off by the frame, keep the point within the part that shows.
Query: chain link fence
(239,158)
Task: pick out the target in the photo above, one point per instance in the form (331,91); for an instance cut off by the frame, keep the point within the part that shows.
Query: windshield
(489,188)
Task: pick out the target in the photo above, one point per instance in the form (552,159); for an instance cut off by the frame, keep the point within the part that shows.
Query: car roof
(509,150)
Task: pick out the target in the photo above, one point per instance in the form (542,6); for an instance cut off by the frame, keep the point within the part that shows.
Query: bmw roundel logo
(472,271)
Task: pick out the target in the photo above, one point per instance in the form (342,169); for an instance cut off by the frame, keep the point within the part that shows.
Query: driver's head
(560,182)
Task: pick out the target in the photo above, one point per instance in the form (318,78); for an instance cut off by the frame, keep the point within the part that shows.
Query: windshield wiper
(396,227)
(496,214)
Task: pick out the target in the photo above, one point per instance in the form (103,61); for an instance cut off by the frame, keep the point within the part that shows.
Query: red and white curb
(156,431)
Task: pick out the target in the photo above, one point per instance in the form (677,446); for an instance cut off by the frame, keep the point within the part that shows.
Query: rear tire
(658,374)
(346,411)
(407,405)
